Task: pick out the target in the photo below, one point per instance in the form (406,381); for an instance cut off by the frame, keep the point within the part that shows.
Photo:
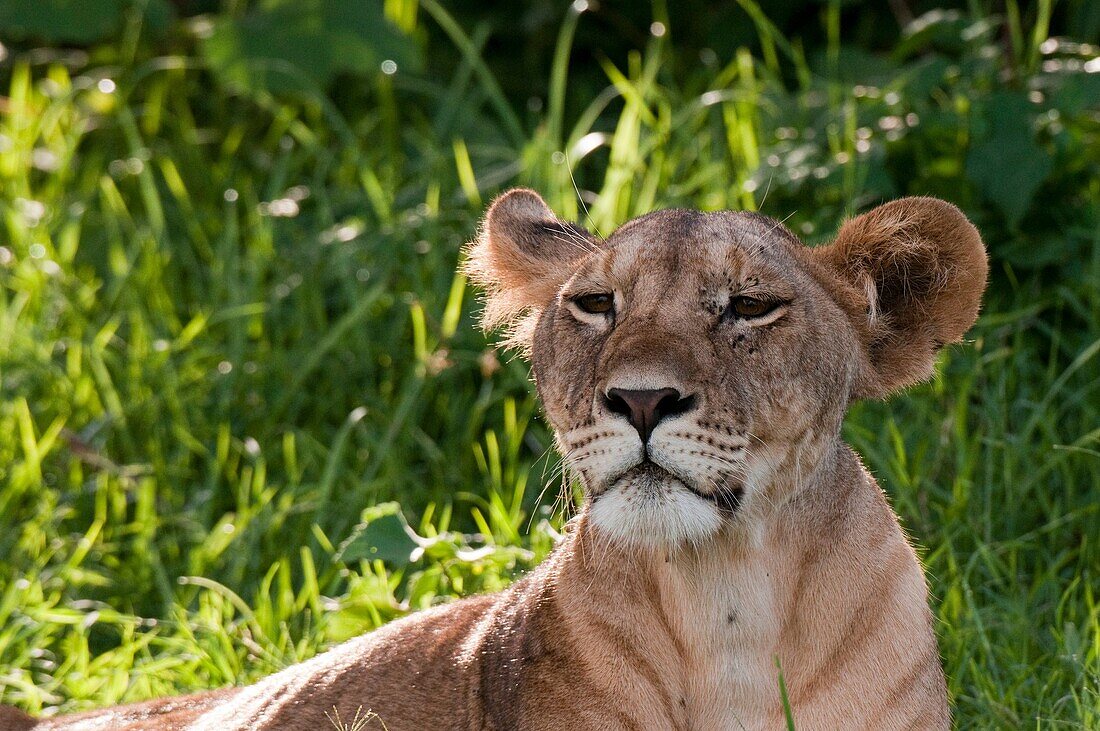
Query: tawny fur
(665,607)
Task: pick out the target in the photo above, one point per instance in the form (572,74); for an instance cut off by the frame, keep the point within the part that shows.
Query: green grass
(231,333)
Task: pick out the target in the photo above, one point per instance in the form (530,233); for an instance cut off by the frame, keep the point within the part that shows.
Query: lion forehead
(680,246)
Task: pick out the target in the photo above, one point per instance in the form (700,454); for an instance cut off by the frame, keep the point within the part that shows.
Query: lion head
(696,367)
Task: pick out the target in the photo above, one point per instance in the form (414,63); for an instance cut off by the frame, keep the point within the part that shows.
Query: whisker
(780,223)
(753,436)
(760,206)
(573,242)
(578,237)
(580,198)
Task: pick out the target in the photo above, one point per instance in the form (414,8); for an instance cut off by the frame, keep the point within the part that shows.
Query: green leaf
(287,44)
(74,21)
(1008,165)
(383,533)
(936,29)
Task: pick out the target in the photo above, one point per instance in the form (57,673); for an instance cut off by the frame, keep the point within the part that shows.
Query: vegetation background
(244,411)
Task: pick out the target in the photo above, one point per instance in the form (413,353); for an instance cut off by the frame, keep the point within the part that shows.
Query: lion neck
(714,618)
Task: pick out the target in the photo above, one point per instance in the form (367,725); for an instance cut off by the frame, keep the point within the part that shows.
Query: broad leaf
(1008,165)
(289,44)
(383,533)
(75,21)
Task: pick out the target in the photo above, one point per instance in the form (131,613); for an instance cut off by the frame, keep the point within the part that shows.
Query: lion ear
(522,256)
(918,269)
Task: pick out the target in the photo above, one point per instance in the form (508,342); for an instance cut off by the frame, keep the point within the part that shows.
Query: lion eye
(750,307)
(595,304)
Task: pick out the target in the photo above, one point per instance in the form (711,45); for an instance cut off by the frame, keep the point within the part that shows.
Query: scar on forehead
(750,262)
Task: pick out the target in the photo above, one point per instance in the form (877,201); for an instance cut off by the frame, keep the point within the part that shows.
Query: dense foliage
(244,411)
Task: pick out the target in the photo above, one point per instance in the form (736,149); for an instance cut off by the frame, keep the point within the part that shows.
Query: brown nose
(644,409)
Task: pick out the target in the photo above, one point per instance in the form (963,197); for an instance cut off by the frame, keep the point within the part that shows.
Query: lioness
(696,368)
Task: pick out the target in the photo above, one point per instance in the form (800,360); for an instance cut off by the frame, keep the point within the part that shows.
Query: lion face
(696,367)
(682,364)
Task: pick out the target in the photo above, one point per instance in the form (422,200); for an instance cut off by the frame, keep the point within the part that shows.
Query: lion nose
(645,408)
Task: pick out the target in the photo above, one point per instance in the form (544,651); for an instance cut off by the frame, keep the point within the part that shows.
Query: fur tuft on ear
(916,270)
(522,256)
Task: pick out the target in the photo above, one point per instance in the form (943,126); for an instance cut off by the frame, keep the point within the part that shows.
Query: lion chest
(729,624)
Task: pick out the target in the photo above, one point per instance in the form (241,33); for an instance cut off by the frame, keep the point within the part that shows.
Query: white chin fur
(656,517)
